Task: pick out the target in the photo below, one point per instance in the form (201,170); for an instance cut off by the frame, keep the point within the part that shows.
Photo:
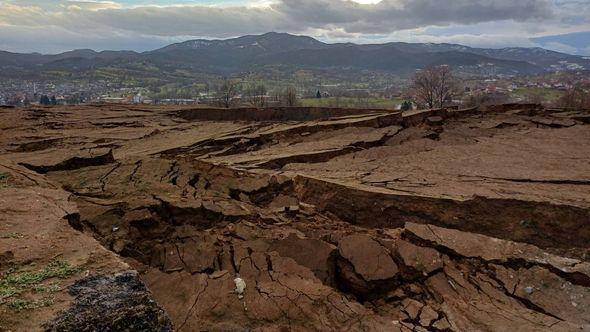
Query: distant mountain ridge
(255,52)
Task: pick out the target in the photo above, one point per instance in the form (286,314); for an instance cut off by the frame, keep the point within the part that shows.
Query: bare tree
(290,96)
(577,97)
(226,92)
(257,95)
(433,87)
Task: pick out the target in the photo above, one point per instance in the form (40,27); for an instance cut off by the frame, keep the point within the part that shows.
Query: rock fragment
(365,266)
(240,287)
(427,316)
(434,121)
(319,256)
(420,259)
(412,308)
(371,260)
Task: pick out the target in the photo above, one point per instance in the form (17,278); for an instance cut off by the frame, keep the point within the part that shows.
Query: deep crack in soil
(324,220)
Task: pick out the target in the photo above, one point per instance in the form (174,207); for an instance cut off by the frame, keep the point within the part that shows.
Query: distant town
(545,88)
(256,71)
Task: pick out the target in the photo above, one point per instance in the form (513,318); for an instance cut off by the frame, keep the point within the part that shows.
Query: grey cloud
(88,24)
(391,15)
(193,20)
(286,15)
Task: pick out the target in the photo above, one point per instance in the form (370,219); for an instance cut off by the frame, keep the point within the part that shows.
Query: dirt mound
(441,220)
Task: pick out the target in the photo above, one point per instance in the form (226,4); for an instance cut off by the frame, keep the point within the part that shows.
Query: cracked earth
(443,220)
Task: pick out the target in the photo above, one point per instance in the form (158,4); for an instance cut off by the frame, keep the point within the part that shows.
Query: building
(138,98)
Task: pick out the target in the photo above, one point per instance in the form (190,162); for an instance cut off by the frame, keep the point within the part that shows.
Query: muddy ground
(141,218)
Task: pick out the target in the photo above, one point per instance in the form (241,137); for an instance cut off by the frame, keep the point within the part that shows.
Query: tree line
(254,94)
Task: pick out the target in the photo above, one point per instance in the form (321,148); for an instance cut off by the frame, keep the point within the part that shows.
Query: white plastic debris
(240,287)
(529,290)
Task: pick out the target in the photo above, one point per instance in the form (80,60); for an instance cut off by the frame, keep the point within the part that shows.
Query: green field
(546,94)
(351,102)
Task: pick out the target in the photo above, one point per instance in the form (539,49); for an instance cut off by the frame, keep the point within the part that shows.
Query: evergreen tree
(406,105)
(44,100)
(318,95)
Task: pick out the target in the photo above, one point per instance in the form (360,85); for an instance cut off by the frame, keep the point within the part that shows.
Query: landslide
(225,234)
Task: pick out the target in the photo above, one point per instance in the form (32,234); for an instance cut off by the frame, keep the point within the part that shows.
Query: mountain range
(256,52)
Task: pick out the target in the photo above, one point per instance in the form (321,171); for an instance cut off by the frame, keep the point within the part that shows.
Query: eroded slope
(329,220)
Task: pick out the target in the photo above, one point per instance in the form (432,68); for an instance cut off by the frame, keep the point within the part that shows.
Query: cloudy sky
(51,26)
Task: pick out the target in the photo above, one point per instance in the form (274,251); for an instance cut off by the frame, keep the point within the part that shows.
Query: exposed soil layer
(442,220)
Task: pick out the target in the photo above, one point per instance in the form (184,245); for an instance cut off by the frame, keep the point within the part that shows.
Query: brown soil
(443,220)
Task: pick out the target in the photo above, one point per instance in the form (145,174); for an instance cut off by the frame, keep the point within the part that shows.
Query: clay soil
(120,217)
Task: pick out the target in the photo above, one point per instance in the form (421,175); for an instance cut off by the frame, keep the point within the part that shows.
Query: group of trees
(45,100)
(480,98)
(434,87)
(175,91)
(577,97)
(254,94)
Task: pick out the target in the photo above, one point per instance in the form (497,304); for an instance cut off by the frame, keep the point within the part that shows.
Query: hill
(258,52)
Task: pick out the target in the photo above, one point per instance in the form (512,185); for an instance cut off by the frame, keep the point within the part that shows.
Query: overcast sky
(51,26)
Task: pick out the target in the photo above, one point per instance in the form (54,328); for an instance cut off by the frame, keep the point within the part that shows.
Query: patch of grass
(4,180)
(17,304)
(7,291)
(16,282)
(20,304)
(55,269)
(52,287)
(547,94)
(13,235)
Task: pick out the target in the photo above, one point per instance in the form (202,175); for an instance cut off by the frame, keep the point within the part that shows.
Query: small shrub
(406,105)
(4,180)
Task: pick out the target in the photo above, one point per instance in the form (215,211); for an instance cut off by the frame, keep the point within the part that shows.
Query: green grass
(350,102)
(20,304)
(16,282)
(13,235)
(51,287)
(547,94)
(4,180)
